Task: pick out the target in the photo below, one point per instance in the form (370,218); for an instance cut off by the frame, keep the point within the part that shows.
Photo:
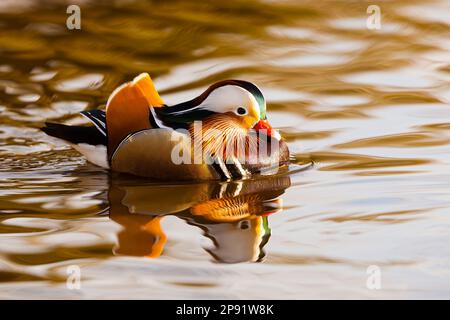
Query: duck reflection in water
(234,215)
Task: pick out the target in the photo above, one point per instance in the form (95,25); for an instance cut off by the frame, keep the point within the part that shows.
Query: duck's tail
(75,134)
(87,140)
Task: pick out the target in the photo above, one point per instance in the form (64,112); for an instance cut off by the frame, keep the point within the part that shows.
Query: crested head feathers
(237,97)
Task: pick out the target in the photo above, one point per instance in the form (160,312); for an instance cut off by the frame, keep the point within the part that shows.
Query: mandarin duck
(140,135)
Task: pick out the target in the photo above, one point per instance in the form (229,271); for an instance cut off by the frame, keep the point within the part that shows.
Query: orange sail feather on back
(127,110)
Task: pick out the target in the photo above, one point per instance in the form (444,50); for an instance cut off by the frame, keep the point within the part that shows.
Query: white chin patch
(95,154)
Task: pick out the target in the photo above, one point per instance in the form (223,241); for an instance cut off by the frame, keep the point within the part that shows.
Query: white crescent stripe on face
(227,99)
(223,99)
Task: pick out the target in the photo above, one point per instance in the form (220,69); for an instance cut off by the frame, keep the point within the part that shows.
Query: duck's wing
(155,153)
(98,118)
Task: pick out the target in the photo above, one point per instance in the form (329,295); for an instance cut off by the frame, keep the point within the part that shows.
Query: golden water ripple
(368,108)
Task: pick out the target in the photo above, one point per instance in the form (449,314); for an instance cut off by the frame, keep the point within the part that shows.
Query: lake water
(369,108)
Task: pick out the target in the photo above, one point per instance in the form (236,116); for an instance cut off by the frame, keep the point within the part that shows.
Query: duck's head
(237,98)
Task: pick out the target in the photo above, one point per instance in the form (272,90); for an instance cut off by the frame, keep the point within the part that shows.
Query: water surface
(370,108)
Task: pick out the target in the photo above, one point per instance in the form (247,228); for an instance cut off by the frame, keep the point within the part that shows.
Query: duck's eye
(244,224)
(241,111)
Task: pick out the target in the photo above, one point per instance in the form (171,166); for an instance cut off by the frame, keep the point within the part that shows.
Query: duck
(210,137)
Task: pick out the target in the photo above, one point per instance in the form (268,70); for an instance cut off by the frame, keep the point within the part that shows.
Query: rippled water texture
(369,107)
